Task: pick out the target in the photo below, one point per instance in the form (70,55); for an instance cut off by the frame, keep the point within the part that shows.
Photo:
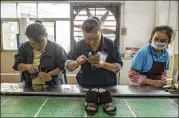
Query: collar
(163,54)
(48,49)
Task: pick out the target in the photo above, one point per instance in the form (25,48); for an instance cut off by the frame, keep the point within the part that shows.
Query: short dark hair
(36,32)
(94,17)
(92,23)
(38,21)
(168,30)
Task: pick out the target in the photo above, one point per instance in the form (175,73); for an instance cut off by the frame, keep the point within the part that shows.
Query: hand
(45,76)
(81,60)
(159,83)
(32,68)
(99,65)
(164,80)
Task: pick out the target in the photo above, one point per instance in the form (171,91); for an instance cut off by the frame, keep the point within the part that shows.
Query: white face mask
(159,46)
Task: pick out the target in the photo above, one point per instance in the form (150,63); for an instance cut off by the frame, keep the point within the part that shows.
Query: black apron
(157,69)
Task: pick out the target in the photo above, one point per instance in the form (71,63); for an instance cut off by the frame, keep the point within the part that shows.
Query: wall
(138,18)
(7,61)
(7,73)
(124,72)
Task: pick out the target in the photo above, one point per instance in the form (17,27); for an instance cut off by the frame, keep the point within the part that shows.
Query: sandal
(106,99)
(92,99)
(104,96)
(91,108)
(110,109)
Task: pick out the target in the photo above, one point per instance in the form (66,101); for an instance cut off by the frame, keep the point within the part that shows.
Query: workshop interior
(90,58)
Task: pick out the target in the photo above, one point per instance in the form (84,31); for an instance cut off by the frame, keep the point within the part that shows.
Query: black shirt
(53,57)
(99,77)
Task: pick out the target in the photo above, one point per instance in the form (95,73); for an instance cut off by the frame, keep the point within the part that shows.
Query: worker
(98,57)
(40,55)
(150,64)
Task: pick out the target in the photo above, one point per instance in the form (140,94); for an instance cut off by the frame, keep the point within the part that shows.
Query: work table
(76,90)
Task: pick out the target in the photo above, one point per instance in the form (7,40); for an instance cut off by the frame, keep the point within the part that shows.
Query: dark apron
(156,71)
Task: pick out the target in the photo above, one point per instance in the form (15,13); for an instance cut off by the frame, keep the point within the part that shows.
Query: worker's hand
(159,83)
(99,65)
(45,76)
(164,80)
(81,60)
(32,68)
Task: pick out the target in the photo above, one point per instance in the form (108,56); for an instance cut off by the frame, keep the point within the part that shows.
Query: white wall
(139,20)
(174,22)
(167,14)
(140,17)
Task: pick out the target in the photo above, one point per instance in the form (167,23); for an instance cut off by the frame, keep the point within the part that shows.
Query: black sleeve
(60,57)
(116,58)
(74,53)
(20,57)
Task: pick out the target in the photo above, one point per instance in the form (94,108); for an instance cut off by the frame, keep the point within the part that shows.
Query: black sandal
(90,111)
(110,109)
(106,99)
(104,96)
(92,100)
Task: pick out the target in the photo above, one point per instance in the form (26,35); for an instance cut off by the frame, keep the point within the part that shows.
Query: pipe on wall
(169,10)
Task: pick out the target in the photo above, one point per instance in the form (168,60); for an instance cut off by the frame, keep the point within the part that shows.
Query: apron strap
(151,53)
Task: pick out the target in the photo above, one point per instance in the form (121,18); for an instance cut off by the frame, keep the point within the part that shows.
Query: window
(49,27)
(63,34)
(8,10)
(57,13)
(9,31)
(53,10)
(27,10)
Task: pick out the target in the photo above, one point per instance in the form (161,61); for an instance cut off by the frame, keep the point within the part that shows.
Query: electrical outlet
(123,31)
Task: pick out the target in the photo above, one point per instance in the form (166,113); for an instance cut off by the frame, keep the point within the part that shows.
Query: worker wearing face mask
(150,63)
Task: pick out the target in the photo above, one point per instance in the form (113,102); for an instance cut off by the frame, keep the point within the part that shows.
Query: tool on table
(171,88)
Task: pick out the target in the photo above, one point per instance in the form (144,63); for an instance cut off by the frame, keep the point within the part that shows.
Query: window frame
(17,7)
(52,2)
(42,19)
(8,20)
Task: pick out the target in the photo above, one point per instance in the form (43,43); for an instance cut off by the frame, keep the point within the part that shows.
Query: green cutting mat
(39,106)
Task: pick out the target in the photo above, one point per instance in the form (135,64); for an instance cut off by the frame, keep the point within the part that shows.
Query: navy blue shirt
(142,61)
(100,76)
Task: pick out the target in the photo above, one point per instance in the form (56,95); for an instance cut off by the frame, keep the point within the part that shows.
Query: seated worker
(39,55)
(102,73)
(150,63)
